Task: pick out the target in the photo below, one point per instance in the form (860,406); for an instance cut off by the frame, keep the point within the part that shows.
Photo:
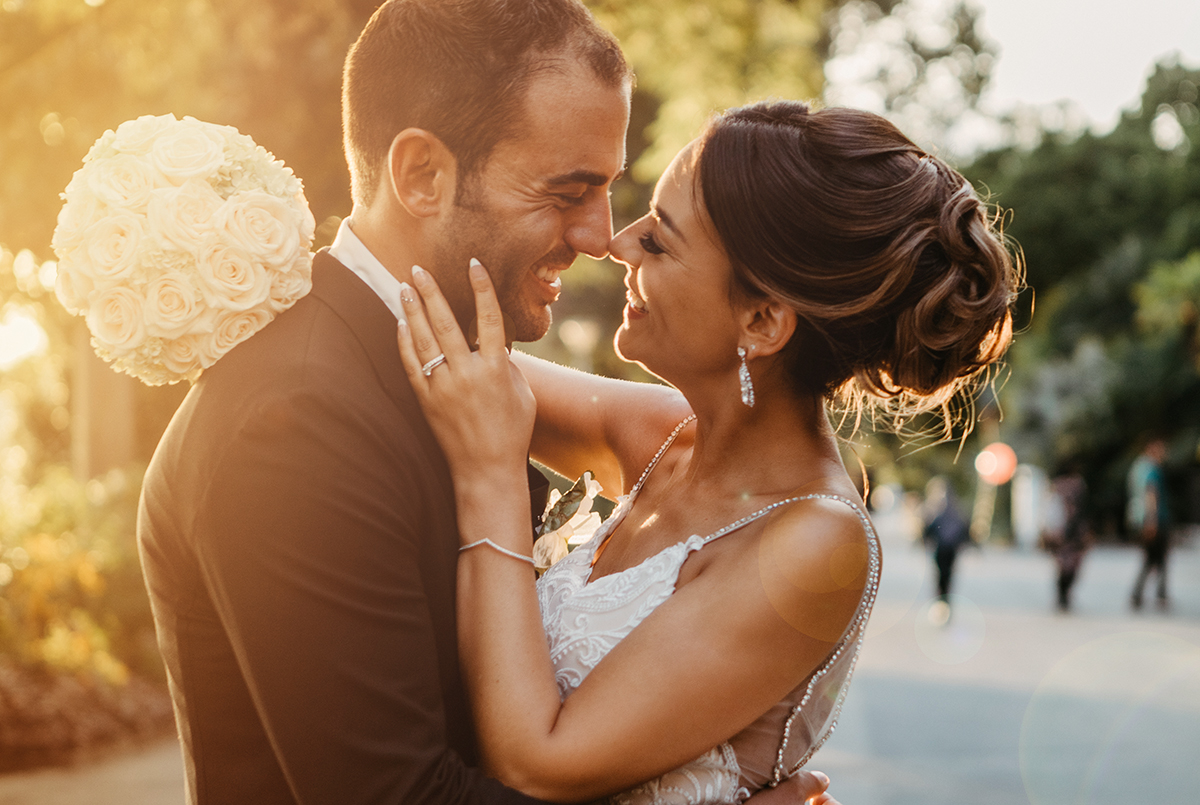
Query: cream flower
(115,319)
(230,279)
(288,287)
(181,217)
(122,181)
(187,152)
(232,330)
(80,211)
(72,287)
(137,136)
(171,305)
(185,355)
(112,246)
(263,225)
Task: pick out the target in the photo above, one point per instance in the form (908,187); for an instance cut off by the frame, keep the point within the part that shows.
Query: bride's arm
(587,422)
(751,631)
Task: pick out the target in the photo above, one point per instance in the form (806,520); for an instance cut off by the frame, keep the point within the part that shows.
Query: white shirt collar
(348,250)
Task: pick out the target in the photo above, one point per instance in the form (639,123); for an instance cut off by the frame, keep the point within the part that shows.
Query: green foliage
(72,593)
(1107,223)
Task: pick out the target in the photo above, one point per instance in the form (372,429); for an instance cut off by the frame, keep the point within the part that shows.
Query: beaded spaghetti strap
(665,446)
(750,518)
(641,480)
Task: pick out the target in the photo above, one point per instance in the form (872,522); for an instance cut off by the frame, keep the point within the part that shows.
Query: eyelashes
(649,244)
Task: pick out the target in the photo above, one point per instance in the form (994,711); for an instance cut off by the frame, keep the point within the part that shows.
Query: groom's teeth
(547,274)
(634,302)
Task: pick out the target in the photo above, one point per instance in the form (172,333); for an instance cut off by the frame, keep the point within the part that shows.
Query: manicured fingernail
(406,293)
(475,263)
(419,274)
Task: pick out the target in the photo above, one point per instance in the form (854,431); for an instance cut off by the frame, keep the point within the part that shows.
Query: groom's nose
(589,225)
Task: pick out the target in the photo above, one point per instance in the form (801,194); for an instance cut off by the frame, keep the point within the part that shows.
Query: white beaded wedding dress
(583,622)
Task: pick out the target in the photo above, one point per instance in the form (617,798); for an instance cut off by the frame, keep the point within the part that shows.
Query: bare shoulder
(815,562)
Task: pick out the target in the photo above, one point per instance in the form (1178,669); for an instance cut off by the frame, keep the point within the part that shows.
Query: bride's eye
(649,244)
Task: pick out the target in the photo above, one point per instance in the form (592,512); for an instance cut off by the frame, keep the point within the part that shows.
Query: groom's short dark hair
(458,69)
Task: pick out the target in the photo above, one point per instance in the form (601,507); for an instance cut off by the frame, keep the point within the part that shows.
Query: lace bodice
(583,622)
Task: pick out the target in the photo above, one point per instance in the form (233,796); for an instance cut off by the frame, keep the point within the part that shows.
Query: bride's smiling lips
(634,303)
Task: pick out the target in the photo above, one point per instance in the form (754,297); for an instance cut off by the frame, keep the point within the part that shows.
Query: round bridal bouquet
(178,240)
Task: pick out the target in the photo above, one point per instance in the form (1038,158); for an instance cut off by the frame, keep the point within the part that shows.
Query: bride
(697,649)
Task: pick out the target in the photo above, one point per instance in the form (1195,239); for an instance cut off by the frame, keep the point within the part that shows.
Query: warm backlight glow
(21,337)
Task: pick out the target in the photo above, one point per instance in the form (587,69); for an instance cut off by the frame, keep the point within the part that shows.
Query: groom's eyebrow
(584,177)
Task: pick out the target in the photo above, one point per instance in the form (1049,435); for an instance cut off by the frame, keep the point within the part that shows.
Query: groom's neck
(389,241)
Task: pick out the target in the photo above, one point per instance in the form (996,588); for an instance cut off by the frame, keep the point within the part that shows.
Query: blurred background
(1079,120)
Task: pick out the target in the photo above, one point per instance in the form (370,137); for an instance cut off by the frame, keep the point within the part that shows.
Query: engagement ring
(428,368)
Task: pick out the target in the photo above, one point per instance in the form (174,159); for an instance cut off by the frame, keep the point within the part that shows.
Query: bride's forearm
(502,646)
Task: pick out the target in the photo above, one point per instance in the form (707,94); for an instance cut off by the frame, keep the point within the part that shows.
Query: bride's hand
(802,788)
(478,403)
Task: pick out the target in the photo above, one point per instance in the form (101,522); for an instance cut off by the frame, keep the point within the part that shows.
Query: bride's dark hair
(903,284)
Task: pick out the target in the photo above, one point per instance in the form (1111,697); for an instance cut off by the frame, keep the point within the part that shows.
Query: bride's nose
(624,247)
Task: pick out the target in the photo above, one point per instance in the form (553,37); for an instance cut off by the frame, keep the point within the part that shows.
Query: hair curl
(901,280)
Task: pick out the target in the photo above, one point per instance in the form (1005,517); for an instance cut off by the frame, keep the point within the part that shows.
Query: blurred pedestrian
(1068,537)
(946,529)
(1149,518)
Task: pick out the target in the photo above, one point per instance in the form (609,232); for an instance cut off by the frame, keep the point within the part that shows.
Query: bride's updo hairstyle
(902,285)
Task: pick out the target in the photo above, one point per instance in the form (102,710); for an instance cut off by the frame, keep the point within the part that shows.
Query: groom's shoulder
(334,353)
(339,339)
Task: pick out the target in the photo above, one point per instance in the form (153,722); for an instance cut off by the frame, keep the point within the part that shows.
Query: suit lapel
(368,318)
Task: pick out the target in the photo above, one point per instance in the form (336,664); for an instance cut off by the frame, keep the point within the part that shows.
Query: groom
(297,526)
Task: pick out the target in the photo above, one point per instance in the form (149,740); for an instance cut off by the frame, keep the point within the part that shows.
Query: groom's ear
(422,172)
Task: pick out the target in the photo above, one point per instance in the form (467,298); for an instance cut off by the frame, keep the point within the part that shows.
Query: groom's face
(542,197)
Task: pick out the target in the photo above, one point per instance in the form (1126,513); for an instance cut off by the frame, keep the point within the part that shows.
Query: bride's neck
(783,443)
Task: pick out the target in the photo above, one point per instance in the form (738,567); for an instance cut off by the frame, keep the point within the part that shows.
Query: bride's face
(679,317)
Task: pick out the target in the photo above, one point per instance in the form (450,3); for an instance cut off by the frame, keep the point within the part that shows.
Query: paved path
(1010,703)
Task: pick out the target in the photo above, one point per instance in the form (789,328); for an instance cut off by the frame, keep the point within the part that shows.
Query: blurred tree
(923,65)
(1095,214)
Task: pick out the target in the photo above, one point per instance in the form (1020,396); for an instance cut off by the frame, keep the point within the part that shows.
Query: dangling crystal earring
(744,379)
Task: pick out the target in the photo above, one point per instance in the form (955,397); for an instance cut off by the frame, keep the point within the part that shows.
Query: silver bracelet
(494,546)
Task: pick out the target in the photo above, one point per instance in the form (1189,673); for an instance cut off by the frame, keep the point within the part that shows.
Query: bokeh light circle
(1116,721)
(996,463)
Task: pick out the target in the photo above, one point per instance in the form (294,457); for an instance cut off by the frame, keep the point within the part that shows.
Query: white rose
(102,147)
(187,152)
(137,136)
(113,245)
(288,287)
(185,355)
(72,287)
(232,330)
(80,211)
(171,305)
(230,279)
(181,217)
(115,319)
(123,181)
(264,226)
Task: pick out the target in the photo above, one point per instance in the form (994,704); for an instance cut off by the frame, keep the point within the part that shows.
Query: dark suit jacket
(298,536)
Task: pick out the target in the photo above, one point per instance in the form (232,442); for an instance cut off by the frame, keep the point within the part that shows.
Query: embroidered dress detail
(585,619)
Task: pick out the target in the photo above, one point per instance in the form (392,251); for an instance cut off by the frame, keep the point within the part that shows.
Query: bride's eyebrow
(663,218)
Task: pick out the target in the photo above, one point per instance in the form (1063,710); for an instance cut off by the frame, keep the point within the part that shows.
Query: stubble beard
(472,232)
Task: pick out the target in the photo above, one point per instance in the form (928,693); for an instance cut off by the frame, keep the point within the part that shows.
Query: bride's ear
(768,325)
(422,173)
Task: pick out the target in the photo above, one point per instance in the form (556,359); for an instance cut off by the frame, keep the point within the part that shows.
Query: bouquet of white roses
(178,240)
